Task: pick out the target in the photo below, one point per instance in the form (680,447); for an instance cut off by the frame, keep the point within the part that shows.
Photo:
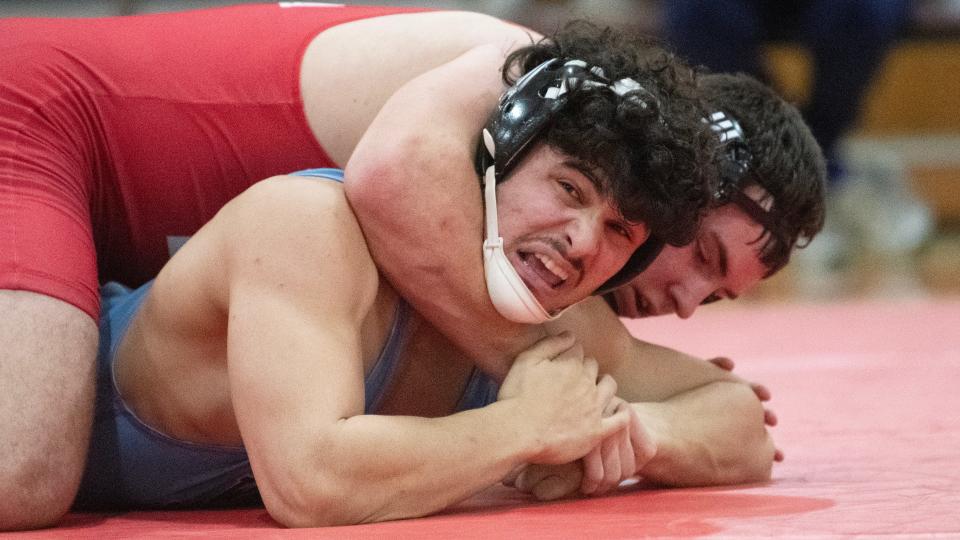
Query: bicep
(425,132)
(300,282)
(292,377)
(411,180)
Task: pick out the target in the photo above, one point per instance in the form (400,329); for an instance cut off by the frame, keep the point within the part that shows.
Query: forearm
(375,468)
(414,190)
(657,373)
(711,435)
(644,372)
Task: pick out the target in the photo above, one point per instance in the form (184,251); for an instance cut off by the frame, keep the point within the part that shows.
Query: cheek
(751,279)
(669,265)
(638,285)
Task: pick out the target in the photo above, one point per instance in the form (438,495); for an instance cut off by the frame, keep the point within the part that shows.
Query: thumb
(614,423)
(511,478)
(555,487)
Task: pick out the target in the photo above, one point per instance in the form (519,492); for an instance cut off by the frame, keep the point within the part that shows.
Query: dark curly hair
(655,160)
(785,160)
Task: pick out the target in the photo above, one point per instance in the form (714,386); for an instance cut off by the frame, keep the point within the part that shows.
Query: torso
(177,381)
(172,370)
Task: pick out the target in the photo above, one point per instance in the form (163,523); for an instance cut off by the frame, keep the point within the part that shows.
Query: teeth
(553,267)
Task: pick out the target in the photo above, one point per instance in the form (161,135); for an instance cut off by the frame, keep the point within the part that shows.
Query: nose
(584,236)
(688,294)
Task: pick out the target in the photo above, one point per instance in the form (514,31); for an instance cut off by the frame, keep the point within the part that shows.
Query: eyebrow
(583,169)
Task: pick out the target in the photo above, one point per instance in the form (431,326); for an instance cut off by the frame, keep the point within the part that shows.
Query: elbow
(322,508)
(311,498)
(380,171)
(367,183)
(754,465)
(751,461)
(331,509)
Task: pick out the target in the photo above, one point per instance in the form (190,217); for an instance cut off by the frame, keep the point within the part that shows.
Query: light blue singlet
(133,466)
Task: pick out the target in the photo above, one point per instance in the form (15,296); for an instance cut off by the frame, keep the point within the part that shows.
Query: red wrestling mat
(868,400)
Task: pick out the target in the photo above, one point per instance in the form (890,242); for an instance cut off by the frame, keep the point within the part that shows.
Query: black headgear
(735,171)
(524,112)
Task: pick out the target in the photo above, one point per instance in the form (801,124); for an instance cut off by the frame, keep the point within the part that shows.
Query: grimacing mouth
(547,267)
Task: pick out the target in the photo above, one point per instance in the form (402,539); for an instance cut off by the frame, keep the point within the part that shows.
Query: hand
(547,482)
(561,400)
(616,459)
(762,393)
(619,456)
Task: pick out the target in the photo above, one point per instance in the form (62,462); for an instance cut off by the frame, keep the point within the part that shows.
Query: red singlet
(120,134)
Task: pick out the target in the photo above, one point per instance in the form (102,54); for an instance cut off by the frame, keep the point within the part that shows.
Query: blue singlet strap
(330,174)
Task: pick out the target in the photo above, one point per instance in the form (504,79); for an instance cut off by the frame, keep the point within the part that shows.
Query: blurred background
(889,71)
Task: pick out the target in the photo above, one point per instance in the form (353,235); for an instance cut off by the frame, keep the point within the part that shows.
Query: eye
(701,256)
(622,230)
(571,190)
(711,299)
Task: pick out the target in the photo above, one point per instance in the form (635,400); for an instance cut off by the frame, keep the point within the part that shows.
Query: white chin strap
(508,292)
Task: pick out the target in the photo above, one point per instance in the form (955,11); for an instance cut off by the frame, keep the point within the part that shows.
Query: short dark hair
(784,159)
(654,154)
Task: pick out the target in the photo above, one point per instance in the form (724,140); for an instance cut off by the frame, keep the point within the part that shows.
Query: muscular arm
(707,424)
(413,187)
(711,435)
(301,286)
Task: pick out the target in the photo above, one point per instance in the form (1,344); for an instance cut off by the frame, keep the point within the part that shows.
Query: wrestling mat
(869,407)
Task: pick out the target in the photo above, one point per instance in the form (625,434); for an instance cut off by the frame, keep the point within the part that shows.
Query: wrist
(520,438)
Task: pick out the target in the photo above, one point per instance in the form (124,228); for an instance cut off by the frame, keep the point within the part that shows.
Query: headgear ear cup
(510,296)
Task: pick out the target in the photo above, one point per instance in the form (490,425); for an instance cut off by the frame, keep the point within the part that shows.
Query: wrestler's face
(722,262)
(563,238)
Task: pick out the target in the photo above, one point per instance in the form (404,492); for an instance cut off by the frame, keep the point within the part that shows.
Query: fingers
(641,440)
(610,455)
(606,391)
(549,482)
(602,464)
(614,423)
(778,455)
(761,391)
(592,369)
(615,451)
(592,471)
(555,487)
(551,347)
(530,476)
(608,464)
(628,456)
(770,417)
(723,362)
(603,473)
(511,478)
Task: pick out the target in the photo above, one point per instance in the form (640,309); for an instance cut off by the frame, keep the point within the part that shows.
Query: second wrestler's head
(770,200)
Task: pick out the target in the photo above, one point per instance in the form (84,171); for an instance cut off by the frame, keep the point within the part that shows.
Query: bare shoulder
(319,199)
(295,214)
(300,233)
